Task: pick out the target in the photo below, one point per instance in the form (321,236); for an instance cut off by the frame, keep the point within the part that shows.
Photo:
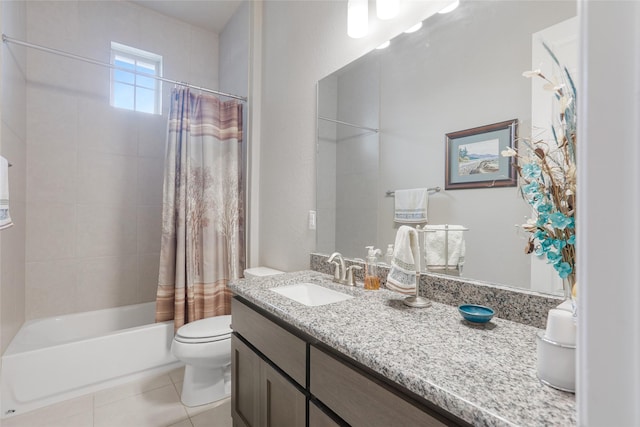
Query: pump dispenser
(388,257)
(371,279)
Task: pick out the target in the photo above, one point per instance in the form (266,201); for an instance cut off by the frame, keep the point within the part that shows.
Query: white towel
(5,218)
(434,246)
(406,261)
(411,206)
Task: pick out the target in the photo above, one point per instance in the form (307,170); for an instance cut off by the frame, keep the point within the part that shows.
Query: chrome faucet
(339,273)
(351,277)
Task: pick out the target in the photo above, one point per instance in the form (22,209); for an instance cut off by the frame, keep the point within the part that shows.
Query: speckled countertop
(483,374)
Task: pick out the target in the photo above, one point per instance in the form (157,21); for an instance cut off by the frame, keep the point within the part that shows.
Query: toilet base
(205,385)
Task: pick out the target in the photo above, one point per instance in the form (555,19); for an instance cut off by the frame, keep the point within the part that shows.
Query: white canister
(556,364)
(561,327)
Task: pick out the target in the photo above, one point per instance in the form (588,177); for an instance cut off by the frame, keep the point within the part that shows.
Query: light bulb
(450,7)
(357,18)
(387,9)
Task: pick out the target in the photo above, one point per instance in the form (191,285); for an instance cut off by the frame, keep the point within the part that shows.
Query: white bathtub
(58,358)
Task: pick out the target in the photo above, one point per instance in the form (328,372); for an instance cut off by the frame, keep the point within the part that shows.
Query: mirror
(382,121)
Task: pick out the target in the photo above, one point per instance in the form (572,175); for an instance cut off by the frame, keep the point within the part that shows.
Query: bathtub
(62,357)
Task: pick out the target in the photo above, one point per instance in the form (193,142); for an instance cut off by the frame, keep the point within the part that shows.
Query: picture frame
(473,159)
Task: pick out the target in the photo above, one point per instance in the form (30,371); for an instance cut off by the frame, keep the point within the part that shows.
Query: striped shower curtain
(203,208)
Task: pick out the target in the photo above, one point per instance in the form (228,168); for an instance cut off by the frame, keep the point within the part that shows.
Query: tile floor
(151,402)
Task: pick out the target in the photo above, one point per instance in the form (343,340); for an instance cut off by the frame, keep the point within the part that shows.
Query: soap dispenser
(388,257)
(371,279)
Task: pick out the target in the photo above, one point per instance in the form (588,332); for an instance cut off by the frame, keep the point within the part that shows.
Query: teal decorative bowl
(476,313)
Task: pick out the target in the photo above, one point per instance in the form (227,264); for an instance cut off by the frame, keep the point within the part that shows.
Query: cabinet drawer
(283,348)
(359,400)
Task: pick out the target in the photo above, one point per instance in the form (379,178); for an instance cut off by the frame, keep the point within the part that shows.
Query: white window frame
(137,55)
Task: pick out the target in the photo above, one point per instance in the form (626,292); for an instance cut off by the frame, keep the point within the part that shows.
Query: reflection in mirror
(459,71)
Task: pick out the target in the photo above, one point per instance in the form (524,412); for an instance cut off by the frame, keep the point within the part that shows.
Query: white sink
(311,294)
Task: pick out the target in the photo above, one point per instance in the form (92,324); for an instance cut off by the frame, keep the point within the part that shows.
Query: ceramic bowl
(476,313)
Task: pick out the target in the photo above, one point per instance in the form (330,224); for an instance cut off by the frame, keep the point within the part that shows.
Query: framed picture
(473,157)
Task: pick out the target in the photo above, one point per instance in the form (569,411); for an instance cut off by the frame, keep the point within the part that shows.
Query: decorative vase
(556,345)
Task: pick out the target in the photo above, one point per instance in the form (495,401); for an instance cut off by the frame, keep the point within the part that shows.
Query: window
(131,89)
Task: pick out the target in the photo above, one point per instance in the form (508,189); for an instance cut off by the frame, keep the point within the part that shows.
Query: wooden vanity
(371,361)
(282,377)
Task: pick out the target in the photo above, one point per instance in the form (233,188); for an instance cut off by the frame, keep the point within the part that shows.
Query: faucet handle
(336,270)
(351,278)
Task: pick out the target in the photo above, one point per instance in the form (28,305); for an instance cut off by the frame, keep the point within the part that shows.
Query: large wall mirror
(382,122)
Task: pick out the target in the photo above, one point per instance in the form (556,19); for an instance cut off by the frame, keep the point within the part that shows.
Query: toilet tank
(254,272)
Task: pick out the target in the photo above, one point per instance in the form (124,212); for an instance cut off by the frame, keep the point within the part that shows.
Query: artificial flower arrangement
(547,169)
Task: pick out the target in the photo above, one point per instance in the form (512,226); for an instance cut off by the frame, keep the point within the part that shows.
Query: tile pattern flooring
(151,402)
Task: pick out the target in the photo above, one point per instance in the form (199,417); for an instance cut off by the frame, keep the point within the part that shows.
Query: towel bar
(393,193)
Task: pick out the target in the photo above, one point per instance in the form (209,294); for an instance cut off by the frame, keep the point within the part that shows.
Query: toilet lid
(205,330)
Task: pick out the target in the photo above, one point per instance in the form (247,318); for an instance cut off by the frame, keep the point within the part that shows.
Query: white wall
(456,73)
(326,155)
(357,160)
(608,212)
(13,147)
(608,378)
(302,43)
(94,173)
(234,53)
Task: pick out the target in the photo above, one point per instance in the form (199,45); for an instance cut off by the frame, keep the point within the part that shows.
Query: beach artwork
(479,157)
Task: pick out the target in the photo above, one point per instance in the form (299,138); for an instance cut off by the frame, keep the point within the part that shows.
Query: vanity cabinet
(261,393)
(319,418)
(261,396)
(284,378)
(358,399)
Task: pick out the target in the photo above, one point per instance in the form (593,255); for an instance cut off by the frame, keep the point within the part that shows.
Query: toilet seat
(211,329)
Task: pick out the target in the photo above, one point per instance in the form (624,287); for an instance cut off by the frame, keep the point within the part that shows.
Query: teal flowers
(560,220)
(547,171)
(531,171)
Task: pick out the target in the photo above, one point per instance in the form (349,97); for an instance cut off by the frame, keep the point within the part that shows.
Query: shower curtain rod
(7,39)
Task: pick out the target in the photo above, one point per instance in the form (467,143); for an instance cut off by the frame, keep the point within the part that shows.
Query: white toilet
(205,348)
(252,273)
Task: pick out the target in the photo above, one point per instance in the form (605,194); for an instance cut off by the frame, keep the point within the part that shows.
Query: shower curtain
(203,208)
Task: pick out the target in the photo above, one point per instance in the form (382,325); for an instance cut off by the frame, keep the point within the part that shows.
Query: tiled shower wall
(13,146)
(95,173)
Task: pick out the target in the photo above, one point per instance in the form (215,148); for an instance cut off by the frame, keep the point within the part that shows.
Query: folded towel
(5,218)
(405,263)
(434,242)
(411,206)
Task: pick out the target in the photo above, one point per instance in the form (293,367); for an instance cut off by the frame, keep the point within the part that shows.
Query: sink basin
(311,294)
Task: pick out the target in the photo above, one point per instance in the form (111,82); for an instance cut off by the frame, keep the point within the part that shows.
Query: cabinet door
(317,418)
(245,385)
(283,405)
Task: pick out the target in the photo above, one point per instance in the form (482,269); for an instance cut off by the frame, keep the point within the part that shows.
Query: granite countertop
(483,374)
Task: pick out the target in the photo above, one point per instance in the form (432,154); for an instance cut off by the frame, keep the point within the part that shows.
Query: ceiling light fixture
(384,45)
(414,28)
(450,7)
(357,18)
(387,9)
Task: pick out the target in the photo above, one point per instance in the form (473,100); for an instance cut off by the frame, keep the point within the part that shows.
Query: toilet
(252,273)
(205,348)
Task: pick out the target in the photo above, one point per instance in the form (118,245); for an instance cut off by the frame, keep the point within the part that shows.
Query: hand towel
(434,242)
(405,263)
(5,218)
(411,206)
